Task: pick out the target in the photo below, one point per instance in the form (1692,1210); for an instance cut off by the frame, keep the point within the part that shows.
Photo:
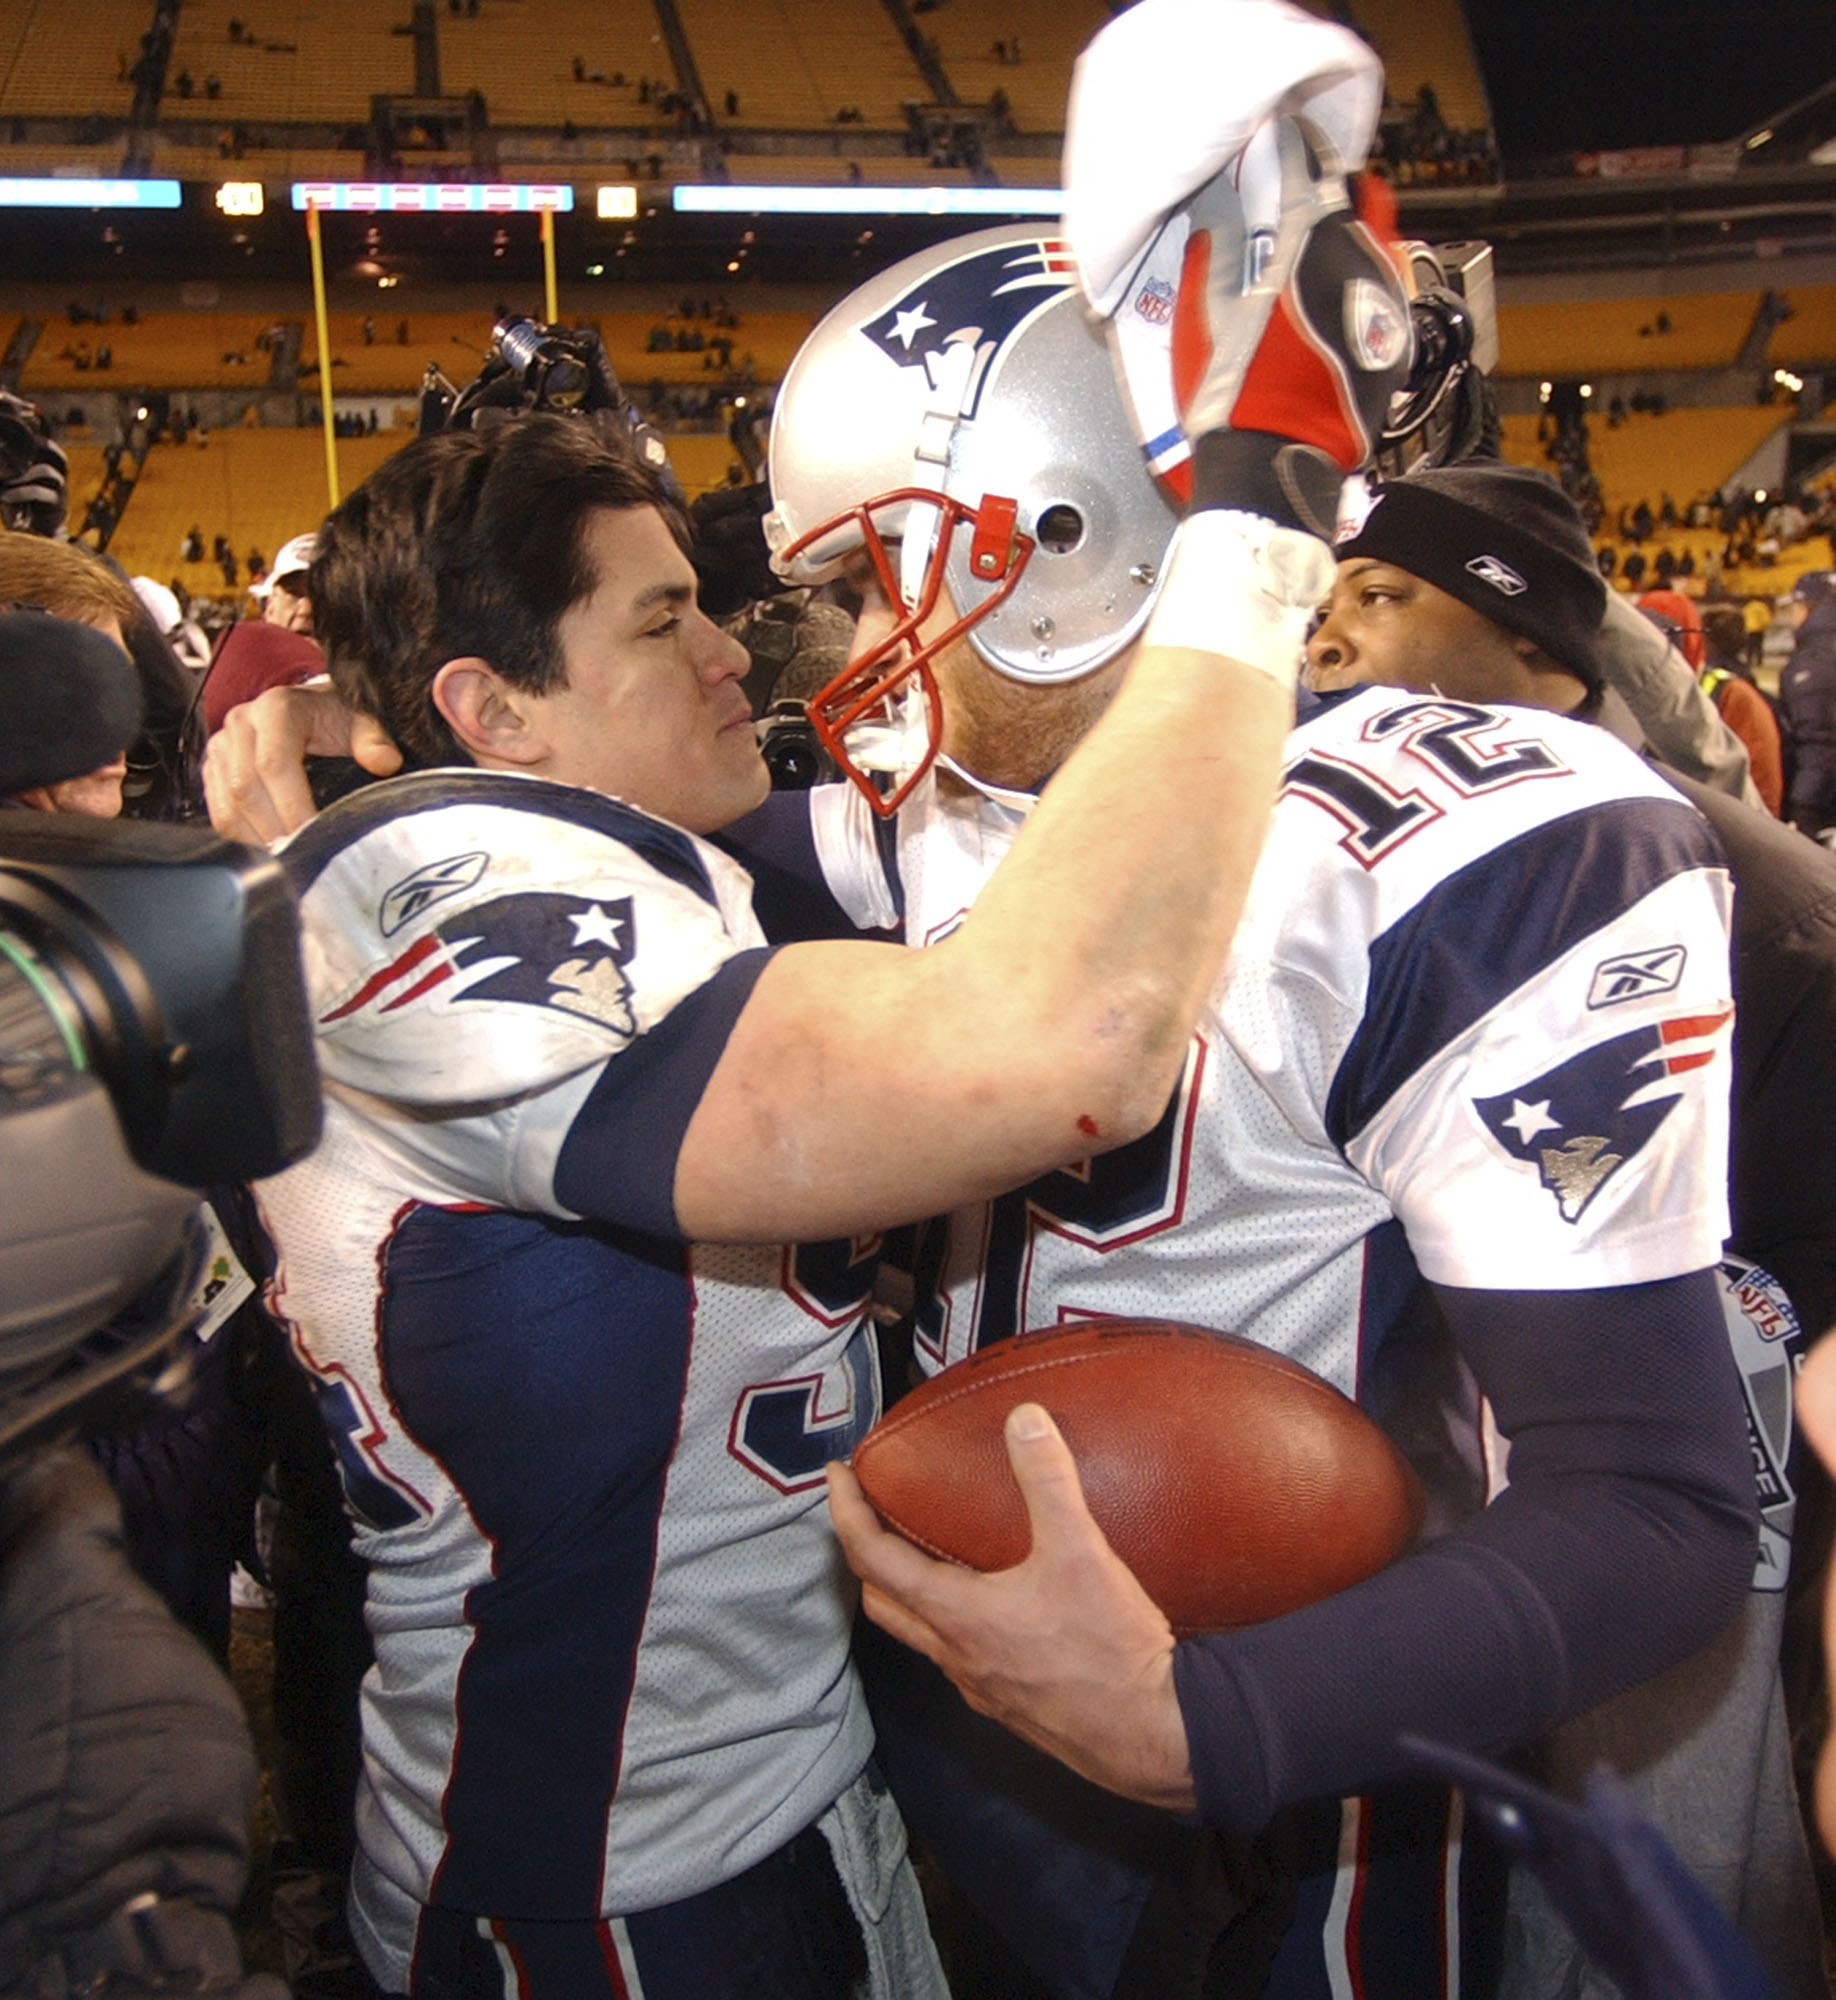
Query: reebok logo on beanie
(1500,575)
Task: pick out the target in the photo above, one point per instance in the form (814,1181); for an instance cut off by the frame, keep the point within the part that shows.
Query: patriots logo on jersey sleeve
(979,302)
(1580,1122)
(565,952)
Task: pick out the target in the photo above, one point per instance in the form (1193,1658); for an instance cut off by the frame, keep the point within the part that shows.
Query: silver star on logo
(1527,1120)
(909,324)
(596,925)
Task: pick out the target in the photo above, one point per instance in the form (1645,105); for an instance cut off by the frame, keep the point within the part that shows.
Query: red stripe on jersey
(420,986)
(1354,1915)
(386,977)
(517,1966)
(1676,1065)
(1691,1025)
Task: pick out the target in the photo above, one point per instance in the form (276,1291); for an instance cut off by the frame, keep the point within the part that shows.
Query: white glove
(1169,92)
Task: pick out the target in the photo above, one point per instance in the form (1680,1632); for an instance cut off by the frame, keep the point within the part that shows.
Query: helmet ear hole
(1059,529)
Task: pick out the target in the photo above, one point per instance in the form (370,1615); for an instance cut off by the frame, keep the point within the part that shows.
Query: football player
(1425,1065)
(613,1740)
(1706,1747)
(1418,1066)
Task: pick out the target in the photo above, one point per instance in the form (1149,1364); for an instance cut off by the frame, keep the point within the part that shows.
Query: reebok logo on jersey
(564,952)
(1500,575)
(419,892)
(1580,1122)
(1636,975)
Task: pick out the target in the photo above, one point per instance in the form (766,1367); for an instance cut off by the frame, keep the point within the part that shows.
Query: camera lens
(792,751)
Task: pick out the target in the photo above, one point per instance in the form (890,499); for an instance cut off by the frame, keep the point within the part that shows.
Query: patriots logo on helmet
(1580,1122)
(979,302)
(565,952)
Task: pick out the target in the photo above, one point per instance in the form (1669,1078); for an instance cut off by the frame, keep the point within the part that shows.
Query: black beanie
(69,701)
(1502,539)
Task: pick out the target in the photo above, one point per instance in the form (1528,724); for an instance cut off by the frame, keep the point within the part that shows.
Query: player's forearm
(1624,1542)
(1112,916)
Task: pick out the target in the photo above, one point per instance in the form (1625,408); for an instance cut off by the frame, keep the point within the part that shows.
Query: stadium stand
(1425,41)
(1683,453)
(257,487)
(60,60)
(1680,453)
(454,342)
(872,169)
(522,59)
(85,478)
(275,165)
(1809,335)
(161,351)
(296,59)
(1625,336)
(758,348)
(701,461)
(1041,39)
(802,62)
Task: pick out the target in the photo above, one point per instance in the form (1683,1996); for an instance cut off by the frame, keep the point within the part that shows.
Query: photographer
(126,1772)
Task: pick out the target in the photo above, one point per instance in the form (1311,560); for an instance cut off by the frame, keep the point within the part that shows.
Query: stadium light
(617,204)
(47,191)
(434,197)
(241,198)
(713,200)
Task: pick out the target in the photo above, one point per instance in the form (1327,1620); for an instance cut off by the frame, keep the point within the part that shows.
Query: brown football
(1235,1484)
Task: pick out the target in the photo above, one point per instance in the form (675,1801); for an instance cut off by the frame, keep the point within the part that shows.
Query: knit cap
(1504,540)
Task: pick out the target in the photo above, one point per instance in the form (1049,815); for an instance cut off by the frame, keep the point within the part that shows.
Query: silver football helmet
(962,407)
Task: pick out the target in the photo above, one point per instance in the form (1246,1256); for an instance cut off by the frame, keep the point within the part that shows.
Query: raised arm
(868,1084)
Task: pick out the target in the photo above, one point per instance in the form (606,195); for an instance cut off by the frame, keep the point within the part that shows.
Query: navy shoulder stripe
(1494,925)
(311,851)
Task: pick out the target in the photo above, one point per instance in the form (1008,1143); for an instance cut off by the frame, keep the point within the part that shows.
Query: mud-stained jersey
(584,1458)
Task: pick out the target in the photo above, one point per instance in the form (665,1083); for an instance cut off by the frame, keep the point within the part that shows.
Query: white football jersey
(1475,1021)
(584,1459)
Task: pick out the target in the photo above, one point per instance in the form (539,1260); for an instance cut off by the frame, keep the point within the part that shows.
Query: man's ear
(494,721)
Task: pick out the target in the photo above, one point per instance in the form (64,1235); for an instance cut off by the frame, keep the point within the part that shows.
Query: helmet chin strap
(950,374)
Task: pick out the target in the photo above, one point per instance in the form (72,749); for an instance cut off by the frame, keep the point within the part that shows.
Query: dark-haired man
(613,1737)
(1365,1099)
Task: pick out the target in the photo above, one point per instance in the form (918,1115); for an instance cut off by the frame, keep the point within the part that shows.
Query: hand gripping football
(1233,1482)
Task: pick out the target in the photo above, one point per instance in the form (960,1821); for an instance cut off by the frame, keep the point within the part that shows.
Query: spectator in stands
(1807,702)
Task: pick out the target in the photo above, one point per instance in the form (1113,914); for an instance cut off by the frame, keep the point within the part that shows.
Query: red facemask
(872,691)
